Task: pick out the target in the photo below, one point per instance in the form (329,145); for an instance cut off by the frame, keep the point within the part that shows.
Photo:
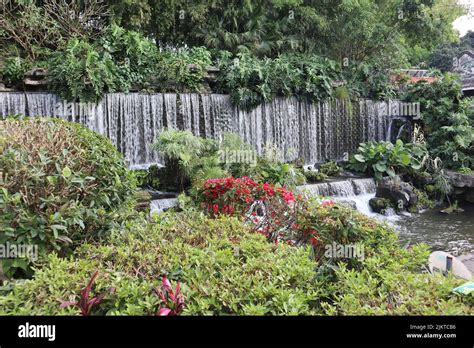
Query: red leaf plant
(172,301)
(86,303)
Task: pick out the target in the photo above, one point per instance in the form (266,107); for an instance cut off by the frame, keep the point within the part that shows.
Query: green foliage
(120,60)
(370,80)
(82,72)
(251,81)
(390,284)
(314,176)
(424,202)
(14,69)
(135,56)
(192,160)
(448,129)
(384,158)
(33,29)
(232,144)
(217,261)
(59,183)
(442,57)
(330,168)
(465,170)
(188,158)
(225,268)
(148,178)
(271,28)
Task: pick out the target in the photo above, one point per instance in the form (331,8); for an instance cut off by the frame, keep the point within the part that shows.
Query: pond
(453,233)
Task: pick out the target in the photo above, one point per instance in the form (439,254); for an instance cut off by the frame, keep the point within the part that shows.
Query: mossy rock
(379,205)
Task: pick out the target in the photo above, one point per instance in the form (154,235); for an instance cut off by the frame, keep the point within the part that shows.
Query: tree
(442,57)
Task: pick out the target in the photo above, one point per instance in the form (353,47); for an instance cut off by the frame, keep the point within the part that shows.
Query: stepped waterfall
(313,131)
(353,190)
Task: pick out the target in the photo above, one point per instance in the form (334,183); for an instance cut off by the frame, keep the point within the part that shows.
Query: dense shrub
(384,158)
(188,158)
(183,70)
(222,266)
(330,168)
(81,71)
(448,129)
(59,183)
(13,70)
(251,81)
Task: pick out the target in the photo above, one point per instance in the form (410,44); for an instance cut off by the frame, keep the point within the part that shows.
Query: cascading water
(357,190)
(314,132)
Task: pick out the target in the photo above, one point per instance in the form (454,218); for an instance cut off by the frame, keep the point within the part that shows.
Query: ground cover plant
(224,267)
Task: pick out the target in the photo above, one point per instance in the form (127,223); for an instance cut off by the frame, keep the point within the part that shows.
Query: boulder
(469,195)
(460,180)
(349,203)
(401,194)
(161,194)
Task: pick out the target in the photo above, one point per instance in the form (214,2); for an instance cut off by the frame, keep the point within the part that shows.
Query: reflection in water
(453,233)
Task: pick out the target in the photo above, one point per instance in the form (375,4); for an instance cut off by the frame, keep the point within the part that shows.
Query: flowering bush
(273,211)
(237,195)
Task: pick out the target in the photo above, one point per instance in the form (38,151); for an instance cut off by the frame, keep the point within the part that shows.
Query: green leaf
(405,159)
(359,158)
(66,172)
(381,167)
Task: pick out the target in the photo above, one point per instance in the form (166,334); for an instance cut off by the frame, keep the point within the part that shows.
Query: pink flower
(328,203)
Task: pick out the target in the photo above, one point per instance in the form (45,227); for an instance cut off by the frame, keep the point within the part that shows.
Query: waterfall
(160,205)
(341,188)
(313,131)
(354,191)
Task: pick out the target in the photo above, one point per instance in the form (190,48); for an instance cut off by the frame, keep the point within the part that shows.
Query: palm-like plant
(179,148)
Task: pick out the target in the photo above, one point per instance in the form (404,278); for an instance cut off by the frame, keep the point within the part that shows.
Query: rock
(400,193)
(162,194)
(143,199)
(469,195)
(393,195)
(379,205)
(349,203)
